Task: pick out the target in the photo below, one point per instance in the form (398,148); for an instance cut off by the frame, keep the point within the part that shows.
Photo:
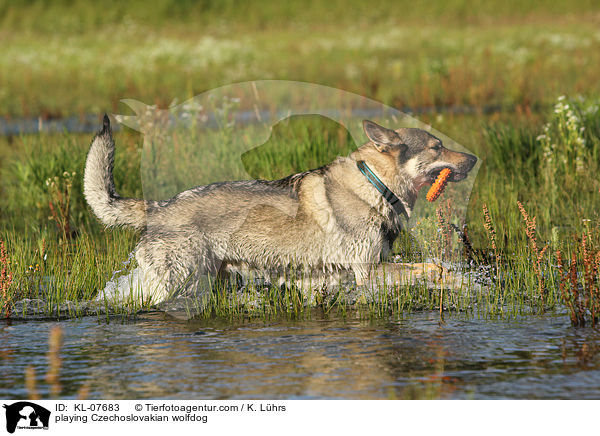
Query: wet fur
(321,221)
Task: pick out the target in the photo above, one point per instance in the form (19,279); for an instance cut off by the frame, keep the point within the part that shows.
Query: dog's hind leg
(172,261)
(361,273)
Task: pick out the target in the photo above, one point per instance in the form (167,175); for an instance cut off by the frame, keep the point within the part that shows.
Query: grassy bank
(540,169)
(507,62)
(70,59)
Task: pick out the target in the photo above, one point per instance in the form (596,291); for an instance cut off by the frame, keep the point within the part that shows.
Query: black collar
(391,198)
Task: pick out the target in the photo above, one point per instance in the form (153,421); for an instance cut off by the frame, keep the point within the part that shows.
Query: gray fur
(99,187)
(322,220)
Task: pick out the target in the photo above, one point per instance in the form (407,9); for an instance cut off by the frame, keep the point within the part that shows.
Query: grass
(81,260)
(512,55)
(44,267)
(233,15)
(505,61)
(517,249)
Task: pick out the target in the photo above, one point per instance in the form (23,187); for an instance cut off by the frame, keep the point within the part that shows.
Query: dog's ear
(382,138)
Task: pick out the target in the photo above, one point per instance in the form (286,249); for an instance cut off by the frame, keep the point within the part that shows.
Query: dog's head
(416,153)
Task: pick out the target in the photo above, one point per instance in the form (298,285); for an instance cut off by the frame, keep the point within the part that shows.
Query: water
(90,123)
(414,357)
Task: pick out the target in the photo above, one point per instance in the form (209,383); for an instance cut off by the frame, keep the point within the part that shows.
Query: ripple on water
(533,357)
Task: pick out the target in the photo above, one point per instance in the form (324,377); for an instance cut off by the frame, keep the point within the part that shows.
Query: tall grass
(45,172)
(579,280)
(548,171)
(515,228)
(43,16)
(50,271)
(516,55)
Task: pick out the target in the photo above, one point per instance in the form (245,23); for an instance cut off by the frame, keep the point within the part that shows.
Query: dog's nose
(471,161)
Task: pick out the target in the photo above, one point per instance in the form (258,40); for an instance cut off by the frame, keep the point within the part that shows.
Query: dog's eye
(437,147)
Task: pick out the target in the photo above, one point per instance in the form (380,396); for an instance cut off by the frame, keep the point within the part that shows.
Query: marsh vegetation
(514,84)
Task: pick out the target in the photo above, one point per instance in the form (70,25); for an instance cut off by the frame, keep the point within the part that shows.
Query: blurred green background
(62,58)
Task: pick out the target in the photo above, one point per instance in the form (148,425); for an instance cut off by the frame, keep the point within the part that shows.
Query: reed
(42,263)
(5,279)
(538,255)
(491,234)
(52,377)
(54,361)
(31,384)
(580,282)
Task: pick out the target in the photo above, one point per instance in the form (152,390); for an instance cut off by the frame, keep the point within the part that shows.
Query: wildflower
(592,109)
(560,108)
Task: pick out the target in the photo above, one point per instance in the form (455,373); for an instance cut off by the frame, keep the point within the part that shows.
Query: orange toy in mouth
(438,186)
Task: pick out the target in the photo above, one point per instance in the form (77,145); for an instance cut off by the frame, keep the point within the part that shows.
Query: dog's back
(321,220)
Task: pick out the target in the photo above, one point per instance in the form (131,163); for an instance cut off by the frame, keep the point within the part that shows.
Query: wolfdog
(342,216)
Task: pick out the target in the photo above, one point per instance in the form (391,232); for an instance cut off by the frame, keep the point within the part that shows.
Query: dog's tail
(99,186)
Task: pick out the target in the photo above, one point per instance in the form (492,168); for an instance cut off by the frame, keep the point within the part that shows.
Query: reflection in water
(414,357)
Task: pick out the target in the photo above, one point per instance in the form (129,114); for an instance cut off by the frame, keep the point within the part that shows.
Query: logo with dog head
(267,183)
(26,415)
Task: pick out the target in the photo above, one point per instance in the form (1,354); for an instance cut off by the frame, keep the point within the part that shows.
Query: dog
(342,216)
